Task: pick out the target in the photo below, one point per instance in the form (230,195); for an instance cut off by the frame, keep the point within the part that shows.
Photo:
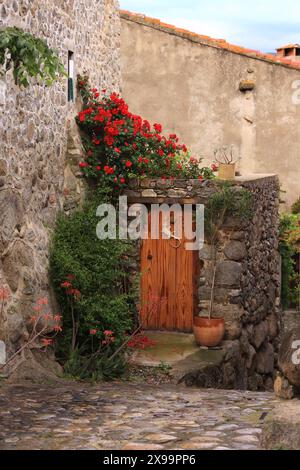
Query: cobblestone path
(124,416)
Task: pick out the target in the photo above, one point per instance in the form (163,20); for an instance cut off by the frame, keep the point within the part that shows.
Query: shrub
(296,207)
(120,145)
(90,278)
(289,247)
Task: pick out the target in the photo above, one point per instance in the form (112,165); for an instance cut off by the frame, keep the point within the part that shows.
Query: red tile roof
(217,43)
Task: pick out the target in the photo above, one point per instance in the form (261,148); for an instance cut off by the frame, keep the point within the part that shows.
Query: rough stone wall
(247,292)
(40,146)
(193,89)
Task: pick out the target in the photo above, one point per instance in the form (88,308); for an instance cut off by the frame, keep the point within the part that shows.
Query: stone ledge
(281,430)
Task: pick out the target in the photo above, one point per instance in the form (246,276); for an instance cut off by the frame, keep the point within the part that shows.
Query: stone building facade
(247,293)
(212,93)
(40,147)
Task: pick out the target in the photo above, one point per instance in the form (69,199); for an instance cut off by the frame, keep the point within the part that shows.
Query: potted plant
(224,157)
(228,201)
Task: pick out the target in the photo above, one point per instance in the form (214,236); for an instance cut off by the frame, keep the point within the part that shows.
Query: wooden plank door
(169,279)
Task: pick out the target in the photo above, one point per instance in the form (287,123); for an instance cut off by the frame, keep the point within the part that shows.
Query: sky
(260,24)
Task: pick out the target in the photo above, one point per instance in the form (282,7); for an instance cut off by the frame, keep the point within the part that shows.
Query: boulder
(229,274)
(289,357)
(235,250)
(260,333)
(265,359)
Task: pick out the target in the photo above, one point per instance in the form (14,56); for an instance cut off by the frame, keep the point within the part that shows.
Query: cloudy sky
(259,24)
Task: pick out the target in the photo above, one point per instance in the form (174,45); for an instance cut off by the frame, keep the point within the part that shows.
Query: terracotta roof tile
(218,43)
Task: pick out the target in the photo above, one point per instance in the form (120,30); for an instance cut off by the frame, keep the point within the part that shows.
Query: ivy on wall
(28,57)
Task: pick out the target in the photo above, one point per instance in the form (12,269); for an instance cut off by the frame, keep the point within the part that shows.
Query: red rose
(200,178)
(83,164)
(158,128)
(122,180)
(160,152)
(140,160)
(128,164)
(98,168)
(117,150)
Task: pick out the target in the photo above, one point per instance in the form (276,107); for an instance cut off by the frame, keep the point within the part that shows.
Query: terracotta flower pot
(209,332)
(226,171)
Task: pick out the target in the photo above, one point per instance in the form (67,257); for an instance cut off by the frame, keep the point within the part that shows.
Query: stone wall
(192,85)
(40,146)
(247,290)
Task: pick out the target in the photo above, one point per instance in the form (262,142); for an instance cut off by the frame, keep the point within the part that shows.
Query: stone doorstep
(281,429)
(179,350)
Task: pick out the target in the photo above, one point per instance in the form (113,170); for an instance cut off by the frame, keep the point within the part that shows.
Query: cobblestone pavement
(130,417)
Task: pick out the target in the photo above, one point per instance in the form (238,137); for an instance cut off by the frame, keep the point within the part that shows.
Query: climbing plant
(120,145)
(28,57)
(289,248)
(229,201)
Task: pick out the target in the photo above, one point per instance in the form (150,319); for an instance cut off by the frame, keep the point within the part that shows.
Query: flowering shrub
(90,278)
(120,145)
(43,326)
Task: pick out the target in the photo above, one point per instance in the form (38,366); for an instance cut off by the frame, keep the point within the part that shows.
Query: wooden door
(169,279)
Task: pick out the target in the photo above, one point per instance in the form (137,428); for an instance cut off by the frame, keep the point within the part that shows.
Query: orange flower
(57,318)
(57,328)
(66,285)
(4,294)
(47,342)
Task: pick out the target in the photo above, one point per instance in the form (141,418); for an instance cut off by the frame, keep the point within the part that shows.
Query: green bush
(97,272)
(289,247)
(296,207)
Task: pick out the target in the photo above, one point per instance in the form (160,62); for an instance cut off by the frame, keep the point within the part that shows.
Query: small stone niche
(247,85)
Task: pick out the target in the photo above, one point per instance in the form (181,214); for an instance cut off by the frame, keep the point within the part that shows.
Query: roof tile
(218,43)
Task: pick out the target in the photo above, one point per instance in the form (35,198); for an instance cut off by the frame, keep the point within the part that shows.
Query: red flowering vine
(120,145)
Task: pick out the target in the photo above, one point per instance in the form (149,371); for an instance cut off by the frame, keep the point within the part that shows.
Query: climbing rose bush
(120,145)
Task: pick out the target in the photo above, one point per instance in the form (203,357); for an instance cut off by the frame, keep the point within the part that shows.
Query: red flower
(117,150)
(108,170)
(66,285)
(160,152)
(179,166)
(108,333)
(96,141)
(4,294)
(214,167)
(93,332)
(57,328)
(122,180)
(146,161)
(140,159)
(98,168)
(46,342)
(128,164)
(83,164)
(200,178)
(158,128)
